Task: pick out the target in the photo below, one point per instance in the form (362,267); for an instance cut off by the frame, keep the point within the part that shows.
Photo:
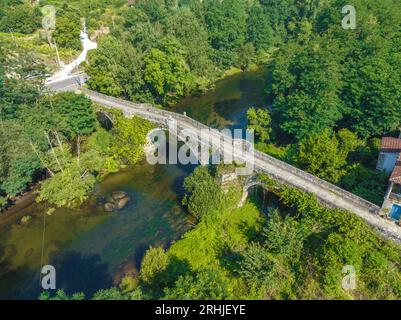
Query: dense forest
(57,136)
(332,93)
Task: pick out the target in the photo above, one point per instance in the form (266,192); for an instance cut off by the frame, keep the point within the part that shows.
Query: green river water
(91,248)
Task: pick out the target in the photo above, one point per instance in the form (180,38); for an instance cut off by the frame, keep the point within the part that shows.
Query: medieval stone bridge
(326,192)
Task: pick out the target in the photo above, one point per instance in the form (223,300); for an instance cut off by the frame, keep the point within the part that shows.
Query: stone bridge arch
(151,144)
(252,181)
(327,193)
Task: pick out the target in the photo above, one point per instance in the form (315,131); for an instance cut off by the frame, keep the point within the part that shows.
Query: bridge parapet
(275,168)
(162,115)
(324,184)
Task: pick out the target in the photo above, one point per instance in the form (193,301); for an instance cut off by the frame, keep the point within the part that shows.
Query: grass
(33,42)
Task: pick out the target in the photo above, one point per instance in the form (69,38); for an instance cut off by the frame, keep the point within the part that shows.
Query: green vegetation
(74,175)
(129,138)
(19,17)
(333,93)
(206,284)
(325,80)
(329,78)
(259,120)
(297,252)
(21,25)
(204,195)
(325,155)
(178,47)
(56,136)
(322,78)
(68,27)
(153,264)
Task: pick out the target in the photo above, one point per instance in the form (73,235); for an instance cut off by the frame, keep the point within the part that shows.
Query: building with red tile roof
(390,149)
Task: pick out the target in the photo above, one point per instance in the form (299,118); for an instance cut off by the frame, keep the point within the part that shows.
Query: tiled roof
(390,144)
(396,174)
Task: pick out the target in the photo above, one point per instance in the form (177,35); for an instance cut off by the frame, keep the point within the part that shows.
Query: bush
(20,19)
(153,264)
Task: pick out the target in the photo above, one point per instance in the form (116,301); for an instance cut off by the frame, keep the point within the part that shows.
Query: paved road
(326,192)
(67,70)
(69,83)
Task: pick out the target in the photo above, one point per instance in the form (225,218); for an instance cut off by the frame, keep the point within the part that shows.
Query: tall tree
(226,22)
(166,73)
(259,120)
(68,28)
(323,155)
(260,32)
(306,81)
(21,18)
(77,111)
(116,69)
(204,285)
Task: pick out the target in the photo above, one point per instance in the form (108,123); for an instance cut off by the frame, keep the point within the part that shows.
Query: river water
(91,248)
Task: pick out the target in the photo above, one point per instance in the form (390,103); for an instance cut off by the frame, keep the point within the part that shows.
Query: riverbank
(89,243)
(88,238)
(223,106)
(16,210)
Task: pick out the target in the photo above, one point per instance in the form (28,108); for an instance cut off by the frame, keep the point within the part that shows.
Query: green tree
(69,188)
(25,86)
(18,160)
(246,56)
(203,194)
(167,75)
(260,32)
(109,294)
(259,120)
(376,95)
(305,83)
(116,68)
(322,155)
(226,23)
(284,236)
(366,183)
(22,18)
(77,111)
(61,295)
(153,264)
(20,173)
(192,34)
(68,28)
(205,285)
(265,273)
(279,14)
(129,138)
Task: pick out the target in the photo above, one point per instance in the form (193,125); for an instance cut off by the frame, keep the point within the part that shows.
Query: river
(91,248)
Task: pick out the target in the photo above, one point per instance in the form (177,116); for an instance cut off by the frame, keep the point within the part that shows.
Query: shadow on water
(91,275)
(226,105)
(89,246)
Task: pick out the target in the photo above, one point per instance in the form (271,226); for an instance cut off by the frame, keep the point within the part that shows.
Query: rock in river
(118,195)
(121,203)
(109,207)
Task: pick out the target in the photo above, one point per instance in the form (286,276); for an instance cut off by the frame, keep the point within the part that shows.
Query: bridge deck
(326,192)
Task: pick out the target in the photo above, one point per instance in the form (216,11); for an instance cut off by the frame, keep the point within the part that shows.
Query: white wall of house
(386,161)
